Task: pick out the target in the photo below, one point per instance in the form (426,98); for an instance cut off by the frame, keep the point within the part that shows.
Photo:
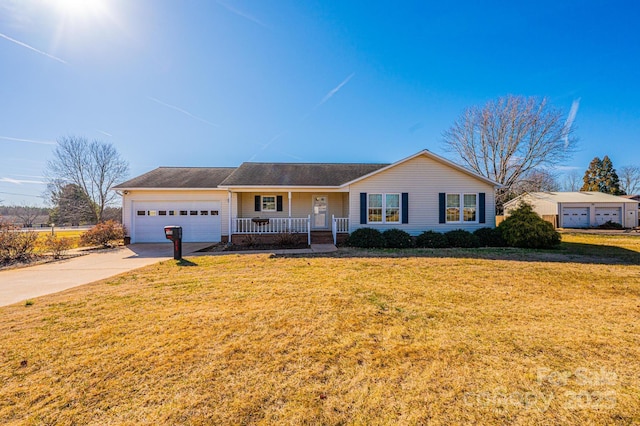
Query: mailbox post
(174,233)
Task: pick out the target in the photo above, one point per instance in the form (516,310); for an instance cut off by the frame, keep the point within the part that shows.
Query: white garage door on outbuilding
(200,220)
(575,217)
(606,214)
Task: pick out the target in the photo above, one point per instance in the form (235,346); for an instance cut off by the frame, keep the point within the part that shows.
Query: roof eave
(231,187)
(164,188)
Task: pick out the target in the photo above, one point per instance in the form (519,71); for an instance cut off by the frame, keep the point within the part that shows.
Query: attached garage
(200,220)
(184,196)
(608,214)
(575,217)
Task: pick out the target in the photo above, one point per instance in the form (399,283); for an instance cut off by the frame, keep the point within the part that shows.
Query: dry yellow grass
(253,339)
(72,235)
(630,241)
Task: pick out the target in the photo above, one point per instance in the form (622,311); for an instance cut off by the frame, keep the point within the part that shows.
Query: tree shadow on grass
(185,262)
(565,253)
(602,252)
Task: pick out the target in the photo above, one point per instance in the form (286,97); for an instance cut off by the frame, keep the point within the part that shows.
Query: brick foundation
(322,237)
(266,239)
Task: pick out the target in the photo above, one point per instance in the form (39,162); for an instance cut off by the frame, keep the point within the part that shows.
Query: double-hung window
(268,203)
(462,207)
(375,208)
(453,207)
(392,208)
(383,208)
(470,208)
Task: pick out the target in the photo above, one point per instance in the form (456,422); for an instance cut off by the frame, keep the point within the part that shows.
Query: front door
(320,216)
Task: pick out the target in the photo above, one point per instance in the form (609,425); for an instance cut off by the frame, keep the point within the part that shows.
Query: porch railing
(339,225)
(294,225)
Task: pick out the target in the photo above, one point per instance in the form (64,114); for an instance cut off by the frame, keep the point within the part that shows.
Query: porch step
(321,237)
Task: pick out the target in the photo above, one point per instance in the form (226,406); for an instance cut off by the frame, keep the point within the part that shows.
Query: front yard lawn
(483,336)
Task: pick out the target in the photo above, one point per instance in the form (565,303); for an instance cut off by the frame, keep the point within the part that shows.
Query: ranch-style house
(312,200)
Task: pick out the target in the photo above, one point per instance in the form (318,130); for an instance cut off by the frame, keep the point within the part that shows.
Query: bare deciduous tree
(24,215)
(630,179)
(94,166)
(510,137)
(27,214)
(572,181)
(537,181)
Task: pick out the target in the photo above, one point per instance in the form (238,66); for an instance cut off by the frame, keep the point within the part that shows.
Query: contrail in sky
(19,181)
(273,139)
(265,146)
(570,119)
(27,140)
(305,116)
(182,111)
(243,15)
(22,195)
(32,176)
(335,90)
(19,43)
(104,133)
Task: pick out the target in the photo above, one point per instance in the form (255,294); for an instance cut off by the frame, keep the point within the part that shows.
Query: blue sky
(216,83)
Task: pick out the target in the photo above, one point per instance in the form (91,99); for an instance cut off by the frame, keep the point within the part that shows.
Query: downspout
(126,228)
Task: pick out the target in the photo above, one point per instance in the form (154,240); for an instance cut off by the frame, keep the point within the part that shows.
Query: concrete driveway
(17,285)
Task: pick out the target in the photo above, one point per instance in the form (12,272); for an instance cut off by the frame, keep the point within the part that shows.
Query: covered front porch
(320,216)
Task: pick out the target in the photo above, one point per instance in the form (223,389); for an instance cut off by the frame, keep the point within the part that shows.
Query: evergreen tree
(591,177)
(601,177)
(72,206)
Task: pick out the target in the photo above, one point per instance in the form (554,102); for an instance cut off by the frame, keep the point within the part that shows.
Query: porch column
(230,199)
(289,220)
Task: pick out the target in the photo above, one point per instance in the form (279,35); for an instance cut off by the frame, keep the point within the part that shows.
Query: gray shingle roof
(298,174)
(179,177)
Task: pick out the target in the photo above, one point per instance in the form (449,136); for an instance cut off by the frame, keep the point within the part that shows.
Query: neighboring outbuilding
(418,193)
(580,209)
(632,197)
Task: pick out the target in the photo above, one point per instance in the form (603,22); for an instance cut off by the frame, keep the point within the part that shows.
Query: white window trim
(461,207)
(275,203)
(384,208)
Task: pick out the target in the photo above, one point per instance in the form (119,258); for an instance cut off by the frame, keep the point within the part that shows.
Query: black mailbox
(174,233)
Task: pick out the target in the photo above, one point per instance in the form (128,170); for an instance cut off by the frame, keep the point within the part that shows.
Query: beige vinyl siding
(133,196)
(301,204)
(542,207)
(423,179)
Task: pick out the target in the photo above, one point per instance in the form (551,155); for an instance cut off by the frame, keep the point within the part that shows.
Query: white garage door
(575,217)
(200,220)
(606,214)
